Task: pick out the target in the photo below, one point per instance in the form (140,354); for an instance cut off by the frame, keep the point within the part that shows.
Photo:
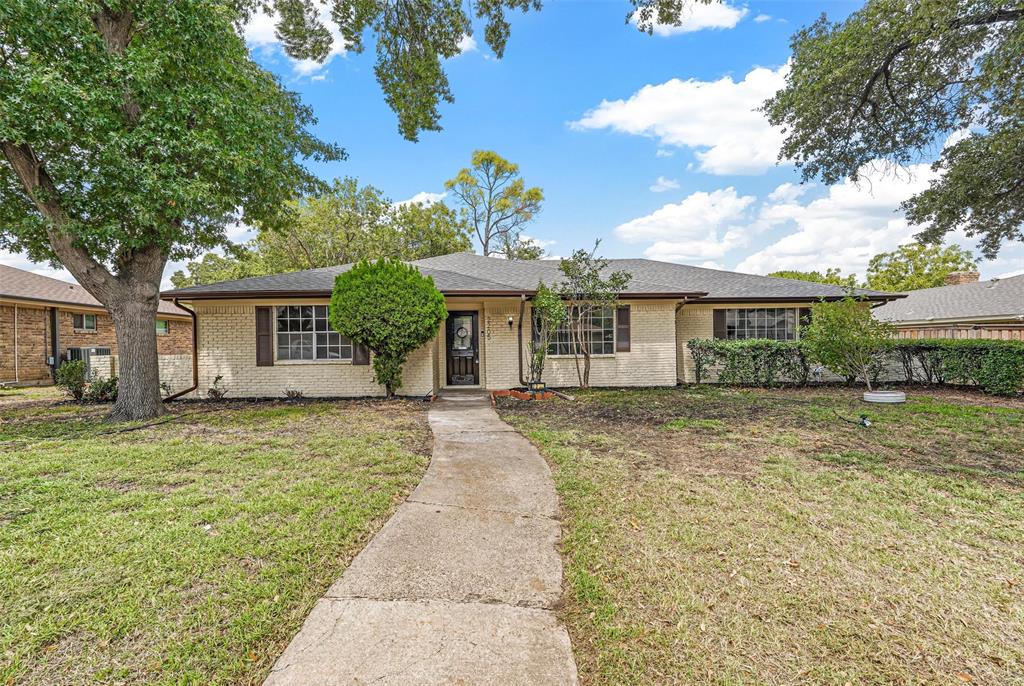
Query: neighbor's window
(163,327)
(84,322)
(599,332)
(304,334)
(777,323)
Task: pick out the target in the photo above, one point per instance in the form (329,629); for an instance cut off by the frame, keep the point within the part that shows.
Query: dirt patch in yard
(747,536)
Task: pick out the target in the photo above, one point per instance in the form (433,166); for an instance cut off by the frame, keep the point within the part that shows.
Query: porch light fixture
(510,322)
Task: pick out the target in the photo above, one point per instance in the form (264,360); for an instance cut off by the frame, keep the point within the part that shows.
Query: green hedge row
(994,366)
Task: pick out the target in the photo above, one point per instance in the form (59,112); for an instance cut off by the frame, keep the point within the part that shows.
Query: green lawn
(716,536)
(188,552)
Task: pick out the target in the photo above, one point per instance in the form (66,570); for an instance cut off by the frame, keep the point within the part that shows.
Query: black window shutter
(264,337)
(622,329)
(719,324)
(360,353)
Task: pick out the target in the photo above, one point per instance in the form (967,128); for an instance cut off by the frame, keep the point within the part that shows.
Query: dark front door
(463,349)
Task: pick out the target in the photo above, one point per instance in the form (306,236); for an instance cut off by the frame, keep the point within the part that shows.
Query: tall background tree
(894,81)
(832,276)
(132,133)
(915,266)
(494,201)
(347,223)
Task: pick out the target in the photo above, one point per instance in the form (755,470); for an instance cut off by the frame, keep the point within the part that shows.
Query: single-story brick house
(263,335)
(965,308)
(45,321)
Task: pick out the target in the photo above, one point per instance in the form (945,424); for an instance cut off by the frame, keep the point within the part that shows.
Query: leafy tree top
(832,276)
(893,81)
(146,127)
(914,266)
(414,39)
(345,224)
(495,202)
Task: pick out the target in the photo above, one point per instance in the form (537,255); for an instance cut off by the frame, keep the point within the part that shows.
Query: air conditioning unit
(86,355)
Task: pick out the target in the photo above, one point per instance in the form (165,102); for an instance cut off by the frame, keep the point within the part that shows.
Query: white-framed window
(83,322)
(599,331)
(163,327)
(777,323)
(303,333)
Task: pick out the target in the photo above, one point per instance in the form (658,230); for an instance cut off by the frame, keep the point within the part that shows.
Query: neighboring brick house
(45,321)
(266,334)
(964,308)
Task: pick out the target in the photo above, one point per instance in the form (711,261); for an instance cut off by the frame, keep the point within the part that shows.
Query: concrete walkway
(459,585)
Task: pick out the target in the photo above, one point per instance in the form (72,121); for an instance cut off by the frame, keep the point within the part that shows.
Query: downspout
(17,376)
(55,341)
(522,313)
(195,354)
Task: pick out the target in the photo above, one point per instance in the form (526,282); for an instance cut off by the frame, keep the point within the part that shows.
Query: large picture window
(599,331)
(777,323)
(303,333)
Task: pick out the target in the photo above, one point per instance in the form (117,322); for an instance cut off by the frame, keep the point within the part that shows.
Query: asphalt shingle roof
(462,272)
(995,299)
(23,285)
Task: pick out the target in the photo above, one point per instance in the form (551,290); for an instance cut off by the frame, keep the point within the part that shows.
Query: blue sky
(646,142)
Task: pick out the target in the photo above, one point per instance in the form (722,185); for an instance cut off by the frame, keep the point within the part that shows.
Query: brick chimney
(957,278)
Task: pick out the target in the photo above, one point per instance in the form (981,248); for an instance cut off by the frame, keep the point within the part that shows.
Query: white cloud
(843,229)
(701,226)
(260,32)
(761,18)
(662,152)
(467,44)
(423,197)
(19,261)
(715,118)
(787,192)
(1016,272)
(662,184)
(697,16)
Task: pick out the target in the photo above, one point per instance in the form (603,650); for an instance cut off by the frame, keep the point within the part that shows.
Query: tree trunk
(586,369)
(138,382)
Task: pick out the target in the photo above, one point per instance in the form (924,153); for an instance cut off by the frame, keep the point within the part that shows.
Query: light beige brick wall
(227,347)
(650,362)
(175,370)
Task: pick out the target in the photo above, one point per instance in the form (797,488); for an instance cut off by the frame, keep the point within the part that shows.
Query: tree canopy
(495,202)
(832,276)
(345,224)
(914,266)
(132,133)
(893,82)
(414,39)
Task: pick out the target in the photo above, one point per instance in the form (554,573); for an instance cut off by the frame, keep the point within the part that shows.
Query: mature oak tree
(132,132)
(893,82)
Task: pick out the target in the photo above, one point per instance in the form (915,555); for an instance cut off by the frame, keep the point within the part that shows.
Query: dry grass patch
(754,537)
(192,550)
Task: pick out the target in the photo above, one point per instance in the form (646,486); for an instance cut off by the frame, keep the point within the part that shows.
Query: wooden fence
(1000,332)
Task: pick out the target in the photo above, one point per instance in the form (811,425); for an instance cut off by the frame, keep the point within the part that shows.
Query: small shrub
(71,379)
(166,389)
(847,339)
(216,391)
(293,394)
(102,391)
